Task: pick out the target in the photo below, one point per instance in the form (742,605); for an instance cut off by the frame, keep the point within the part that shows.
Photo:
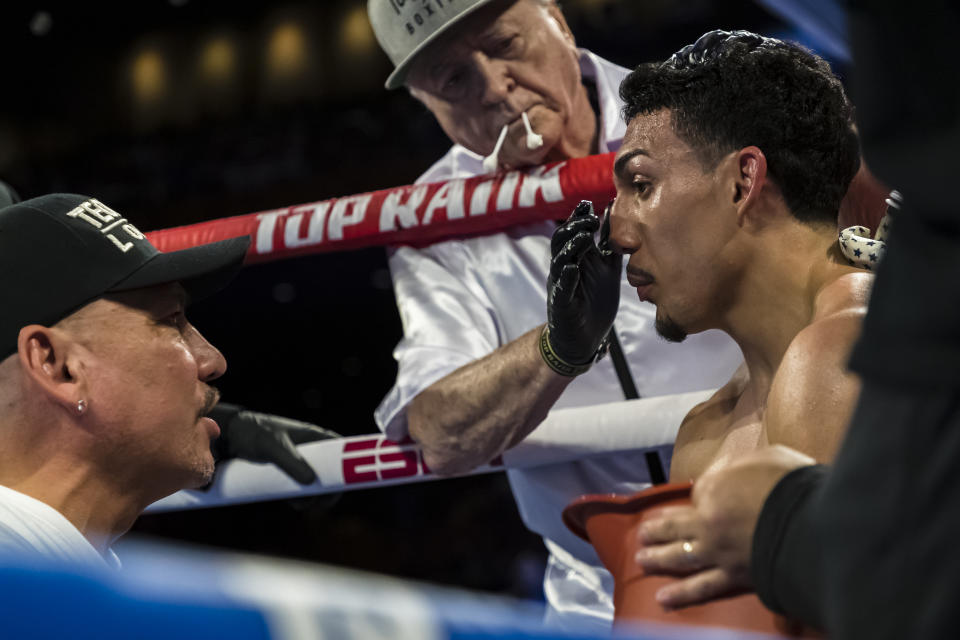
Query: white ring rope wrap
(358,462)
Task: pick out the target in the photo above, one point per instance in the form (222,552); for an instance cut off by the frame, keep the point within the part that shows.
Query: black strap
(654,465)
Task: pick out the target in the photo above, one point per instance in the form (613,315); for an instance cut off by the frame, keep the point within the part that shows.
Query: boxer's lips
(642,280)
(638,277)
(644,293)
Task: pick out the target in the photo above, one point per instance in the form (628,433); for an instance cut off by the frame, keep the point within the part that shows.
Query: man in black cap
(104,383)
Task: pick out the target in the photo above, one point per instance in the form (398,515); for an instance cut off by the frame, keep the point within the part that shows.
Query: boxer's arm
(475,413)
(813,394)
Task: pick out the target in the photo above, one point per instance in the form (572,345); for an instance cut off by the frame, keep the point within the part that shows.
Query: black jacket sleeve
(785,562)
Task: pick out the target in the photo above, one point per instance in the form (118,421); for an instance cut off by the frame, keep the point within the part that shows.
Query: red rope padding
(415,214)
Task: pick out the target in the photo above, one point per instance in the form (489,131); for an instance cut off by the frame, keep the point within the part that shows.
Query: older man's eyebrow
(621,164)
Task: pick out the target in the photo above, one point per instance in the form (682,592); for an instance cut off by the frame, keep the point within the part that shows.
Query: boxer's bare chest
(717,432)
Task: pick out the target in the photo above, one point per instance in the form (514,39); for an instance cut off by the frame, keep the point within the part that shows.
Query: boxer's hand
(710,543)
(583,288)
(260,437)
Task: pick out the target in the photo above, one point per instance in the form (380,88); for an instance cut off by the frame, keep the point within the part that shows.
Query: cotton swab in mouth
(534,140)
(491,162)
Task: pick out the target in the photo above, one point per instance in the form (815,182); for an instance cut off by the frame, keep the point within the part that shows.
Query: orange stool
(610,523)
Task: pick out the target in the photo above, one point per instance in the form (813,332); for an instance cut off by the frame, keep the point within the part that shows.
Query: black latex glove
(260,437)
(583,289)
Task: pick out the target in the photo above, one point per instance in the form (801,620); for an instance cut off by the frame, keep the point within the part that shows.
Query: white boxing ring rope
(360,462)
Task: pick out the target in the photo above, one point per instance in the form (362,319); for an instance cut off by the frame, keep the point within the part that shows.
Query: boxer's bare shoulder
(813,394)
(808,403)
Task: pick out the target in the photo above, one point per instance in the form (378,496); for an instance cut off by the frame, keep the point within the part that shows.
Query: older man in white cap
(507,83)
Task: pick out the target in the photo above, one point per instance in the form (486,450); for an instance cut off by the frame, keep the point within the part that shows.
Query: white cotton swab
(534,140)
(491,162)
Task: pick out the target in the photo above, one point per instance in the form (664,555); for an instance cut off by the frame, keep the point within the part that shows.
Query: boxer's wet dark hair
(732,89)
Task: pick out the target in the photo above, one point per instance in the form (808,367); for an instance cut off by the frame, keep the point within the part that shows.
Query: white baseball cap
(404,28)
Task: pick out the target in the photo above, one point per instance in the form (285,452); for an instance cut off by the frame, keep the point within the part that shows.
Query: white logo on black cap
(98,214)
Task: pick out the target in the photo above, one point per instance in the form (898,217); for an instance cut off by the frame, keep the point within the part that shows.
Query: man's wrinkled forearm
(475,413)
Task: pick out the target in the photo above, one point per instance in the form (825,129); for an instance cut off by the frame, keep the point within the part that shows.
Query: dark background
(174,112)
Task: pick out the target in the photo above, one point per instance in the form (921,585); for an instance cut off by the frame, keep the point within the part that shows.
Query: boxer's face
(497,64)
(672,218)
(148,372)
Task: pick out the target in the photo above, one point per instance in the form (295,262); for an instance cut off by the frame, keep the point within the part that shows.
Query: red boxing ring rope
(415,214)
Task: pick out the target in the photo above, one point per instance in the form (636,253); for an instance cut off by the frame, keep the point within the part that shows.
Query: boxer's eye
(640,185)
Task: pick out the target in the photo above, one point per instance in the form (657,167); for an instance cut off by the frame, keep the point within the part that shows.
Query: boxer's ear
(749,180)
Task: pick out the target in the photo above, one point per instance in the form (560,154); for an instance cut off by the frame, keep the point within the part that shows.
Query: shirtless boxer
(738,152)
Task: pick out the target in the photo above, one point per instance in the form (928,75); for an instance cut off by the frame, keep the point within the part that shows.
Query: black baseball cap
(62,251)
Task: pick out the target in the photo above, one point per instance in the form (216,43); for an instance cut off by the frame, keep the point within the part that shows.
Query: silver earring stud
(81,407)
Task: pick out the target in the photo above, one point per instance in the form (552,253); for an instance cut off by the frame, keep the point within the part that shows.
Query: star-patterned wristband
(557,363)
(862,250)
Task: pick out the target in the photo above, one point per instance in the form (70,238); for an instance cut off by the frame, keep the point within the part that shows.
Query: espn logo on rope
(376,459)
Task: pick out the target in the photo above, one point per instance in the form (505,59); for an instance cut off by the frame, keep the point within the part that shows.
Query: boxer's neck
(780,294)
